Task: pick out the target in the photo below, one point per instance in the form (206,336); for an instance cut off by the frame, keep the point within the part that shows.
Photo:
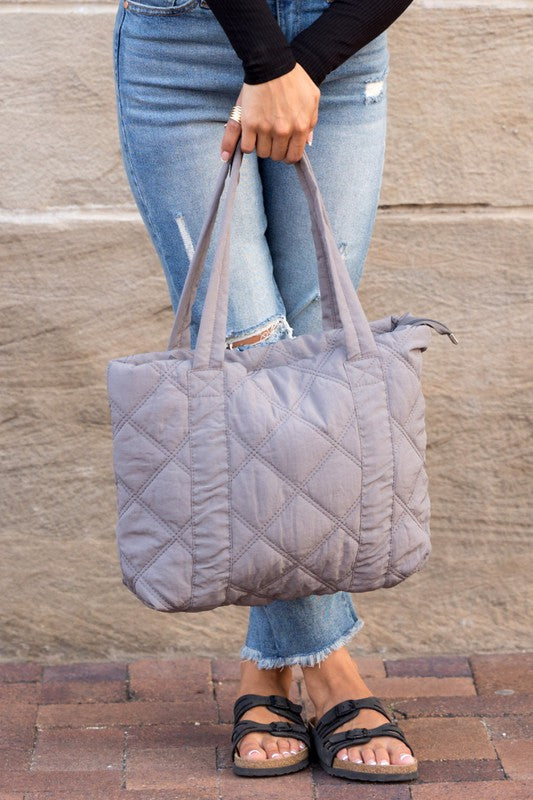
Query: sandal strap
(345,711)
(274,702)
(296,730)
(358,736)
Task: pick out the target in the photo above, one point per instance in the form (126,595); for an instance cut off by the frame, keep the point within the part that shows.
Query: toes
(284,747)
(249,747)
(354,755)
(381,755)
(399,755)
(272,749)
(294,746)
(368,755)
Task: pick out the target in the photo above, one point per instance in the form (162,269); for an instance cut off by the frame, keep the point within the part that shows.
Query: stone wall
(81,284)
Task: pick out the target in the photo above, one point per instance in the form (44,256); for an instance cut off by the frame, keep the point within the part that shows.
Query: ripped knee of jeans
(267,333)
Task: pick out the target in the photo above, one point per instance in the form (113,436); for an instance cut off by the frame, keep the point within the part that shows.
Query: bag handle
(340,304)
(180,335)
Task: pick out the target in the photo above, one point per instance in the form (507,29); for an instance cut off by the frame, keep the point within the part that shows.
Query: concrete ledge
(459,118)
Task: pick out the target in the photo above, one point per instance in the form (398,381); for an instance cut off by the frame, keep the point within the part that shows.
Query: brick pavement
(160,730)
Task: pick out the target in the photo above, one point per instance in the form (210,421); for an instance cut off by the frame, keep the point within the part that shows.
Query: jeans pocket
(161,7)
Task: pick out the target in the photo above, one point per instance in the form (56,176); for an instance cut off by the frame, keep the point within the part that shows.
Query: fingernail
(225,155)
(407,757)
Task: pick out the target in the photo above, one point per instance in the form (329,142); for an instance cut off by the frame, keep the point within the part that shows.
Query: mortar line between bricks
(129,695)
(124,758)
(314,787)
(33,755)
(218,773)
(489,738)
(473,673)
(214,691)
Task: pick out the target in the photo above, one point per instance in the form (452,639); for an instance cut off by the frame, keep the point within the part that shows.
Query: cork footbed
(271,763)
(377,769)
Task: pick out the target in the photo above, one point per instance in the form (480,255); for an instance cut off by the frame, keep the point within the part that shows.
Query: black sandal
(296,729)
(327,746)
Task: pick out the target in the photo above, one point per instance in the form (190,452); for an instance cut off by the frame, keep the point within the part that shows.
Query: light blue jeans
(177,78)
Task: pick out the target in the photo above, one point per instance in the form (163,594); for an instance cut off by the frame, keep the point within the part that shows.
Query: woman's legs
(302,631)
(337,679)
(176,79)
(347,157)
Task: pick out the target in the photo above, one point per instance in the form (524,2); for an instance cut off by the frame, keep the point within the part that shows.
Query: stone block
(503,673)
(455,134)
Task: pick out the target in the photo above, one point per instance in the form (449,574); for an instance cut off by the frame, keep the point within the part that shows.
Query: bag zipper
(408,319)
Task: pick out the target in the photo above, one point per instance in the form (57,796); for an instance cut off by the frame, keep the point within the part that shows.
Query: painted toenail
(275,755)
(286,753)
(301,746)
(344,758)
(358,760)
(251,752)
(371,762)
(383,761)
(406,757)
(294,752)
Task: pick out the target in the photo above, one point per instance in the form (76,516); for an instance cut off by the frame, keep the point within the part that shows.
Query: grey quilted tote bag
(277,471)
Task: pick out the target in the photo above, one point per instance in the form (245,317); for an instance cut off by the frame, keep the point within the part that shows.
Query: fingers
(230,139)
(296,147)
(264,143)
(276,119)
(278,147)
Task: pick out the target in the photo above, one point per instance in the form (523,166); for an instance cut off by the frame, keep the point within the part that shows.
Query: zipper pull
(408,319)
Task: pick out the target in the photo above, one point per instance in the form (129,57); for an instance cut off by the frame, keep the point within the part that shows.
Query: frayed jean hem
(304,660)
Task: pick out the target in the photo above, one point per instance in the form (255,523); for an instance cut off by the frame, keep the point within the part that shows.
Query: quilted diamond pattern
(300,484)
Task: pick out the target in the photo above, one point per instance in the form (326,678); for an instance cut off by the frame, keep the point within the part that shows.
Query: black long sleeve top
(342,29)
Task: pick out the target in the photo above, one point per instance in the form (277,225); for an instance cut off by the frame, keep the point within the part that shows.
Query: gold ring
(236,114)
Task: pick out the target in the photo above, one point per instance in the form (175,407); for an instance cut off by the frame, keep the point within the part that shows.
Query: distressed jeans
(176,79)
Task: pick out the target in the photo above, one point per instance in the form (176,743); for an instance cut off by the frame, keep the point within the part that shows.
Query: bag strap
(340,304)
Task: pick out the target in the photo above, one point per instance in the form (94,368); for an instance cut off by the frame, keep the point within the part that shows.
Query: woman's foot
(260,745)
(337,679)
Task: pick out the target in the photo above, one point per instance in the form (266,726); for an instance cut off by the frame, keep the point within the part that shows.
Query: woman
(291,72)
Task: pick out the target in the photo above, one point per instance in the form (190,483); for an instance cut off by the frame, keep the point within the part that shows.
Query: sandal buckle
(278,700)
(345,706)
(280,726)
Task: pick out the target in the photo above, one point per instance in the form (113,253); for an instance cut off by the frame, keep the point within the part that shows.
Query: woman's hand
(277,117)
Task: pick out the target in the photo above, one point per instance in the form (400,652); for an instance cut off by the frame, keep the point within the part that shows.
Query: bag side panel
(152,475)
(374,426)
(410,534)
